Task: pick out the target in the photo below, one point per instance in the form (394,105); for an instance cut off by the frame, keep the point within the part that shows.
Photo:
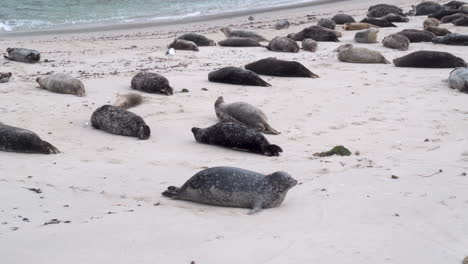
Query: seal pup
(283,44)
(429,59)
(341,19)
(348,53)
(427,7)
(357,26)
(237,136)
(381,10)
(316,33)
(126,101)
(62,83)
(452,39)
(282,24)
(378,22)
(326,23)
(23,55)
(228,32)
(309,45)
(431,22)
(280,68)
(5,77)
(151,83)
(461,22)
(245,114)
(234,75)
(234,187)
(415,35)
(239,42)
(366,36)
(15,139)
(451,18)
(198,39)
(458,79)
(396,41)
(395,18)
(438,31)
(180,44)
(118,121)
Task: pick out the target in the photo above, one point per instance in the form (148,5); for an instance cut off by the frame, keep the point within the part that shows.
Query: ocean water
(36,15)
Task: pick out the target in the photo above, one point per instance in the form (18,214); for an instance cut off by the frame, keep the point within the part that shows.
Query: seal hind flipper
(270,130)
(144,132)
(49,148)
(6,57)
(271,150)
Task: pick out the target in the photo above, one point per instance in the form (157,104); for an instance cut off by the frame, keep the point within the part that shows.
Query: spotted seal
(429,59)
(438,31)
(234,75)
(431,22)
(452,39)
(280,68)
(458,79)
(62,83)
(396,41)
(309,45)
(198,39)
(282,24)
(23,55)
(180,44)
(415,35)
(129,100)
(326,23)
(239,42)
(283,44)
(151,83)
(316,33)
(381,10)
(348,53)
(366,36)
(15,139)
(228,32)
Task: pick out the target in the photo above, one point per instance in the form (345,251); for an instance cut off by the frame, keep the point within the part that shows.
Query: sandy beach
(106,190)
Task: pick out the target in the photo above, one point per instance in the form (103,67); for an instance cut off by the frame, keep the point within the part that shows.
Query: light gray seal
(23,55)
(458,79)
(245,114)
(438,31)
(234,187)
(198,39)
(280,68)
(15,139)
(396,41)
(234,75)
(348,53)
(327,23)
(236,136)
(341,19)
(61,83)
(282,24)
(129,100)
(228,32)
(283,44)
(316,33)
(452,39)
(180,44)
(151,83)
(309,45)
(415,35)
(118,121)
(429,59)
(366,36)
(5,77)
(239,42)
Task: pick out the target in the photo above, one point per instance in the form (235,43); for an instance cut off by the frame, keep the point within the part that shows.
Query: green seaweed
(338,150)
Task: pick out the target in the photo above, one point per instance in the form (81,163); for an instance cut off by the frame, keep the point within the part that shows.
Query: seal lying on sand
(62,83)
(378,22)
(451,18)
(438,31)
(234,187)
(151,83)
(415,35)
(429,59)
(118,121)
(396,41)
(228,32)
(239,42)
(5,77)
(395,18)
(309,45)
(245,114)
(23,55)
(236,136)
(281,68)
(357,26)
(443,13)
(180,44)
(126,101)
(198,39)
(431,22)
(341,19)
(15,139)
(427,7)
(454,4)
(366,36)
(326,23)
(282,24)
(452,39)
(283,44)
(234,75)
(461,22)
(348,53)
(316,33)
(380,10)
(458,79)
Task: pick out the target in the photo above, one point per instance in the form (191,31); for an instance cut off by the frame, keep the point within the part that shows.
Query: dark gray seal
(326,23)
(15,139)
(245,114)
(341,19)
(282,24)
(378,22)
(395,18)
(180,44)
(458,79)
(451,18)
(429,59)
(198,39)
(62,83)
(23,55)
(118,121)
(228,32)
(396,41)
(316,33)
(415,35)
(236,136)
(234,187)
(461,22)
(438,31)
(234,75)
(427,7)
(454,4)
(309,45)
(350,54)
(280,68)
(151,83)
(452,39)
(381,10)
(283,44)
(443,13)
(5,77)
(239,42)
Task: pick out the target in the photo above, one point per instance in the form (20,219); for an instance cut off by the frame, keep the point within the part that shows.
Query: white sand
(344,210)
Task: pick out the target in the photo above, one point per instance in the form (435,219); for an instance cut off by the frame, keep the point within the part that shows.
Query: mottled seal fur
(341,19)
(381,10)
(15,139)
(429,59)
(438,31)
(180,44)
(357,26)
(395,18)
(234,187)
(62,83)
(415,35)
(239,42)
(118,121)
(316,33)
(452,39)
(198,39)
(366,36)
(396,41)
(451,18)
(461,22)
(326,23)
(309,45)
(431,22)
(5,77)
(245,114)
(348,53)
(282,24)
(378,22)
(151,83)
(280,68)
(228,32)
(427,7)
(237,136)
(283,44)
(458,79)
(126,101)
(234,75)
(23,55)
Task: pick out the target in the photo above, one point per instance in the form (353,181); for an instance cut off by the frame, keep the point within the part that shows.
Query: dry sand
(403,122)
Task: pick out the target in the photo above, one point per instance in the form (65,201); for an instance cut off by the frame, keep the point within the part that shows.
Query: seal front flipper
(256,208)
(271,150)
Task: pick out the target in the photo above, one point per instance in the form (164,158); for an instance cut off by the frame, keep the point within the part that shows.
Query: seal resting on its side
(415,35)
(451,18)
(357,26)
(282,24)
(281,68)
(126,101)
(239,42)
(427,7)
(234,75)
(62,83)
(5,77)
(461,22)
(380,10)
(454,4)
(348,53)
(23,55)
(452,39)
(326,23)
(228,32)
(458,79)
(316,33)
(429,59)
(378,22)
(198,39)
(180,44)
(341,19)
(283,44)
(234,187)
(237,136)
(118,121)
(438,31)
(15,139)
(366,36)
(151,83)
(396,41)
(395,18)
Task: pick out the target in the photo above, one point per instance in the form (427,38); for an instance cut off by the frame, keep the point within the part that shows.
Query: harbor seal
(381,10)
(15,139)
(234,75)
(458,79)
(454,4)
(23,55)
(451,18)
(5,77)
(316,33)
(431,22)
(129,100)
(234,187)
(461,22)
(198,39)
(396,41)
(452,39)
(429,59)
(245,114)
(151,83)
(341,19)
(62,83)
(415,35)
(239,42)
(395,18)
(309,45)
(180,44)
(366,36)
(463,9)
(280,68)
(118,121)
(228,32)
(443,13)
(236,136)
(326,23)
(427,7)
(438,31)
(282,24)
(283,44)
(348,53)
(378,22)
(357,26)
